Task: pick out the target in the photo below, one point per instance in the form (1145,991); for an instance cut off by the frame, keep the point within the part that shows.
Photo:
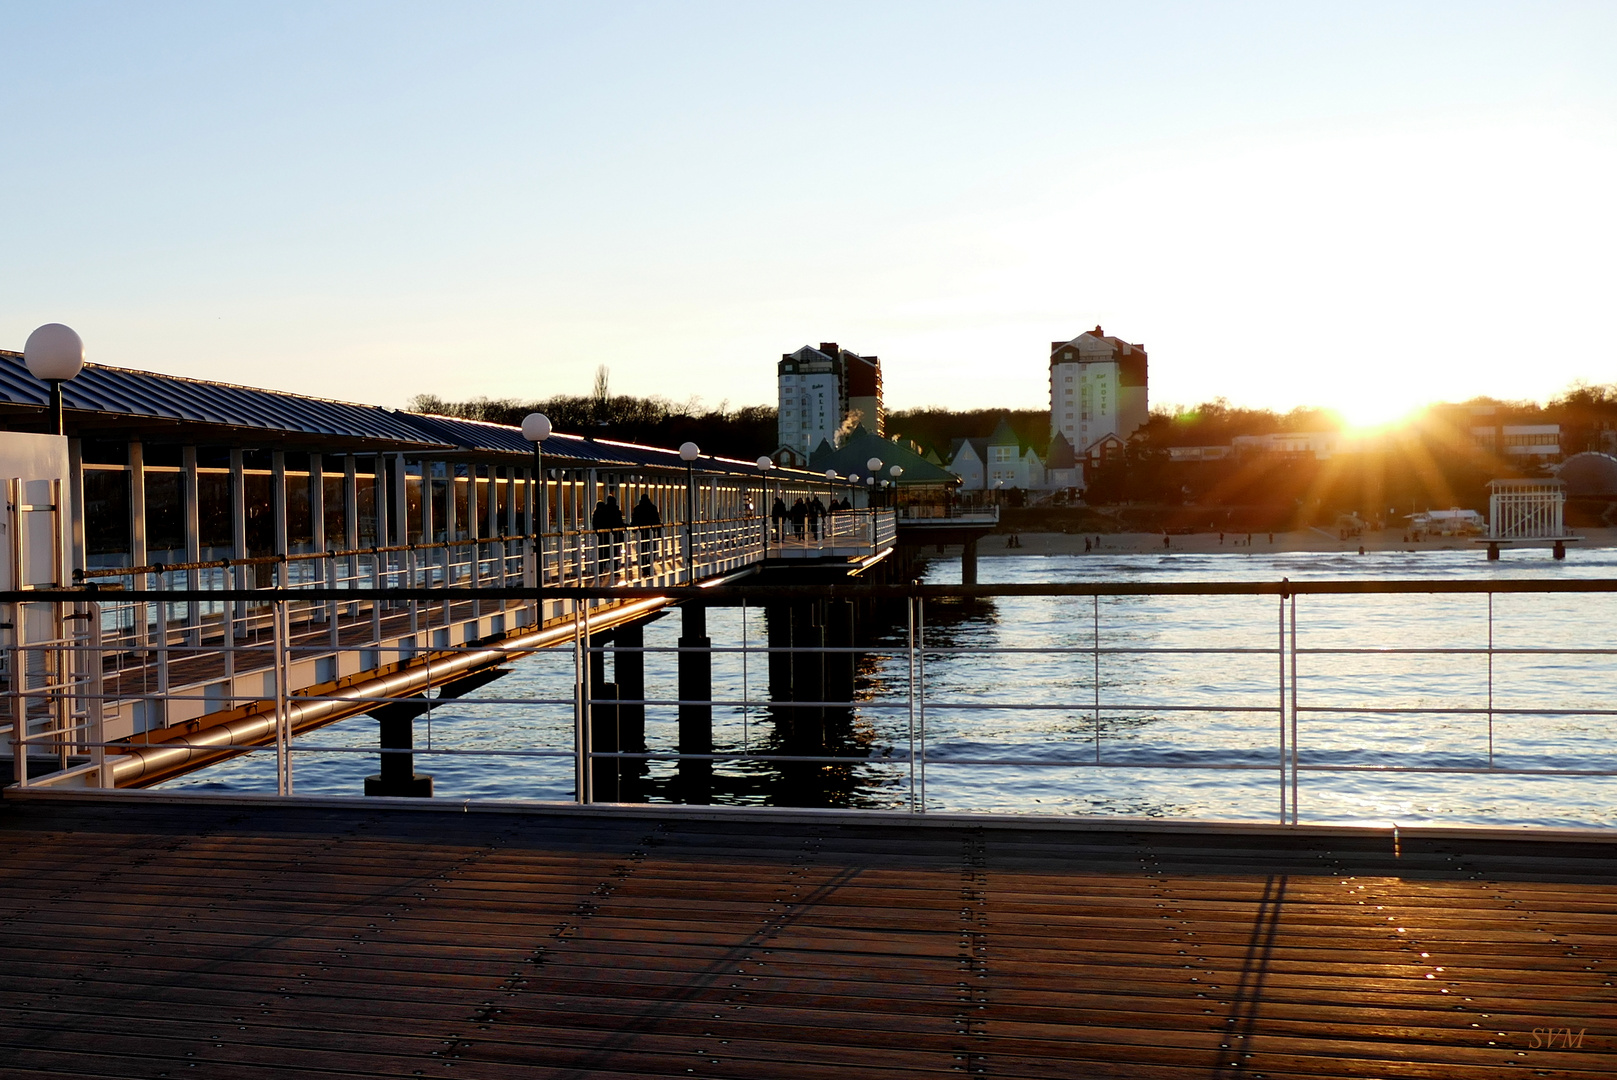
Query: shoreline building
(1097,392)
(825,394)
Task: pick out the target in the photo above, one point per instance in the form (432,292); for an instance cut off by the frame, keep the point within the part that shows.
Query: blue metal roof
(475,435)
(122,392)
(146,395)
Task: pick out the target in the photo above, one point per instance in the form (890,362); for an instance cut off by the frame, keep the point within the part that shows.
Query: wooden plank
(808,949)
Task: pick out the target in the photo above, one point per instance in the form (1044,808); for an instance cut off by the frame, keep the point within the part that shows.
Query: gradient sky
(1355,205)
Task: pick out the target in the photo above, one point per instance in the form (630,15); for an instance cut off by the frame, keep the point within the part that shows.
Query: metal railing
(1100,663)
(930,512)
(186,625)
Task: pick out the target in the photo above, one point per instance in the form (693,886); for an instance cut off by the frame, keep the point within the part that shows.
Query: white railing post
(331,603)
(581,707)
(1280,652)
(19,697)
(159,704)
(283,719)
(94,706)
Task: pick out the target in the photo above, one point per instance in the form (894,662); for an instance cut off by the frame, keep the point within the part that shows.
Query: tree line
(653,421)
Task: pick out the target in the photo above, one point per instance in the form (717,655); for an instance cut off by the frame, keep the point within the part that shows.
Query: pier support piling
(696,714)
(606,774)
(397,740)
(968,562)
(808,679)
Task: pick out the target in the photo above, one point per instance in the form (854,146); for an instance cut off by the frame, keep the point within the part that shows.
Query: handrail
(737,593)
(301,556)
(61,706)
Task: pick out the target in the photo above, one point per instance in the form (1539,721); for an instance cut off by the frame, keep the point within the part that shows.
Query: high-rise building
(825,394)
(1097,391)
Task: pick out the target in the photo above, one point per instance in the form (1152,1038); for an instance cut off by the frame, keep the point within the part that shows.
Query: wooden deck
(140,937)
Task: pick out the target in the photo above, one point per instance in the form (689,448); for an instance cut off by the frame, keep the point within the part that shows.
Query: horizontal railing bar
(737,703)
(1470,770)
(629,534)
(1431,710)
(1480,650)
(737,593)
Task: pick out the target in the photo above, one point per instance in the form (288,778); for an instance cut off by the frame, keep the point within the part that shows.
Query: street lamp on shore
(54,354)
(536,429)
(688,453)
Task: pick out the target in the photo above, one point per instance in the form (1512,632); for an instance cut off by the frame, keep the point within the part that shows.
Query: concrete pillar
(808,679)
(606,774)
(629,671)
(778,627)
(839,634)
(968,563)
(695,718)
(397,739)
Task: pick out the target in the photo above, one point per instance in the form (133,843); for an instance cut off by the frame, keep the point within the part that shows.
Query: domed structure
(1590,476)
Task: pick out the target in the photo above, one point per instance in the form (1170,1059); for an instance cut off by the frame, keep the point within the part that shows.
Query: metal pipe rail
(62,710)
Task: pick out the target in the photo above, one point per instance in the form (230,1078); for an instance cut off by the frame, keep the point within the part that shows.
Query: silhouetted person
(777,514)
(816,511)
(799,514)
(607,521)
(647,521)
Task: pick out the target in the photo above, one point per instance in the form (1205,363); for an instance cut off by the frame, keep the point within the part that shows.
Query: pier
(238,551)
(256,938)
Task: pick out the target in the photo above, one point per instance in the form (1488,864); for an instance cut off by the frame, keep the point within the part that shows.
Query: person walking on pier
(607,521)
(816,510)
(647,523)
(777,514)
(799,515)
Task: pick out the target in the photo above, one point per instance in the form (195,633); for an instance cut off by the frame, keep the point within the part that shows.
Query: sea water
(1180,731)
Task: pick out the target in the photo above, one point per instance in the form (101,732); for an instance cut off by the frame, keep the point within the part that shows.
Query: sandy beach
(1296,540)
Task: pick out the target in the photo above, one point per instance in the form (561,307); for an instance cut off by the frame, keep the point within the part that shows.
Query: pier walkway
(261,938)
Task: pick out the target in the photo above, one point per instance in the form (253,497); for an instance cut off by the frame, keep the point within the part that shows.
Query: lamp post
(536,429)
(688,453)
(895,472)
(54,354)
(764,465)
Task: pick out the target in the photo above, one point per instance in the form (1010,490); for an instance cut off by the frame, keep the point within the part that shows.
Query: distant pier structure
(1526,511)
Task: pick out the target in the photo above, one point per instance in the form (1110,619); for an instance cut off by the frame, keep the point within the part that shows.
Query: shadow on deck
(155,936)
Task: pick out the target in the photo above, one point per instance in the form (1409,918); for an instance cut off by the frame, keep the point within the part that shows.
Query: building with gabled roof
(998,463)
(1061,467)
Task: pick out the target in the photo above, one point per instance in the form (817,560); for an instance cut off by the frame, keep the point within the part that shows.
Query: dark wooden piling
(696,715)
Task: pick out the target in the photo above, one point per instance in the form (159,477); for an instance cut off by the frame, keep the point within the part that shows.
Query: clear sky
(1355,205)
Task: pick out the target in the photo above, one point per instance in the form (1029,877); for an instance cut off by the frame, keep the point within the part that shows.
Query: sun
(1364,415)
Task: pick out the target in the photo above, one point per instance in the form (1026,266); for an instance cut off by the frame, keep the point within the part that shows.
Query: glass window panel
(336,512)
(260,514)
(165,516)
(106,515)
(366,511)
(465,527)
(215,524)
(299,519)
